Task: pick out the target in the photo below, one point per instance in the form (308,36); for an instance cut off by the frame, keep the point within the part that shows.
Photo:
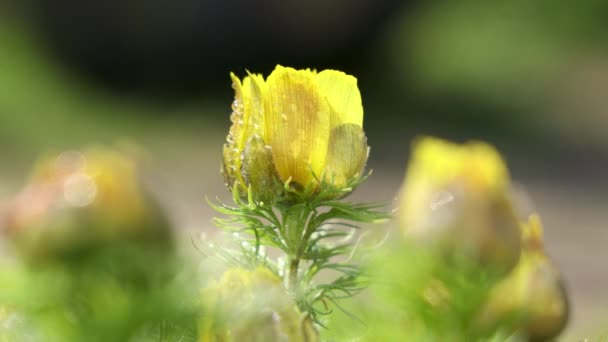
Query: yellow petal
(342,93)
(247,113)
(458,196)
(297,124)
(436,163)
(477,163)
(346,155)
(534,291)
(253,108)
(233,147)
(532,233)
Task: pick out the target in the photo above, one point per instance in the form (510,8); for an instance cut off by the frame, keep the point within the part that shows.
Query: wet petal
(297,124)
(346,155)
(343,95)
(247,114)
(253,108)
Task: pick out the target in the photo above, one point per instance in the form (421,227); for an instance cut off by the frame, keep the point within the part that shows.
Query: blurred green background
(529,77)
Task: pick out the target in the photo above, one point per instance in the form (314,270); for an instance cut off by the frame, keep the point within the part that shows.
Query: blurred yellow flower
(533,292)
(81,197)
(297,126)
(251,305)
(457,196)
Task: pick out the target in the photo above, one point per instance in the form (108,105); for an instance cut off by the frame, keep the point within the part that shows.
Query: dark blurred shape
(183,43)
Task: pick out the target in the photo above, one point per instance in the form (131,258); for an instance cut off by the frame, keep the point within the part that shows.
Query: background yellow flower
(458,196)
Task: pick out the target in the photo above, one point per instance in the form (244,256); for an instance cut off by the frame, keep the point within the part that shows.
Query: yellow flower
(297,126)
(251,305)
(79,198)
(533,293)
(457,196)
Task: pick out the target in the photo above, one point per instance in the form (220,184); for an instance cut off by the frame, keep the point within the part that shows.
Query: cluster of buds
(456,200)
(296,145)
(298,134)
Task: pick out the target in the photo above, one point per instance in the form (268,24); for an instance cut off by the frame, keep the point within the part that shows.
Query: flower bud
(78,200)
(533,292)
(252,305)
(258,169)
(311,127)
(456,197)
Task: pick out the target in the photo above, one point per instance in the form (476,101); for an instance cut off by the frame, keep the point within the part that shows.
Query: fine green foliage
(418,295)
(117,293)
(315,233)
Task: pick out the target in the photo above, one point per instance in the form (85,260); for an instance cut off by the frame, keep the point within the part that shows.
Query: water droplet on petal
(79,190)
(441,199)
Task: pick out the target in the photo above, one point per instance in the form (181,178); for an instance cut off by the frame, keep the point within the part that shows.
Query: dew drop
(441,199)
(79,190)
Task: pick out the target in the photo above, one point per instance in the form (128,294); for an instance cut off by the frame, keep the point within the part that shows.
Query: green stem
(292,280)
(297,239)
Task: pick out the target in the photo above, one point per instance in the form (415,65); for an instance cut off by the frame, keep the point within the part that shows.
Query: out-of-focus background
(530,77)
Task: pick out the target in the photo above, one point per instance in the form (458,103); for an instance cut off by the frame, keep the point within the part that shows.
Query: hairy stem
(295,228)
(292,280)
